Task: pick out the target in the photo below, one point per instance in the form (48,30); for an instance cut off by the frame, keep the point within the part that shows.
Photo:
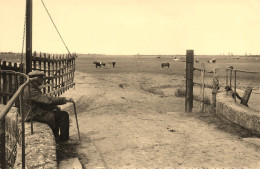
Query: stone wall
(12,135)
(237,113)
(40,147)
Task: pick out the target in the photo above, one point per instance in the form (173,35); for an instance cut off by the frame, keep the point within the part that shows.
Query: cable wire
(55,27)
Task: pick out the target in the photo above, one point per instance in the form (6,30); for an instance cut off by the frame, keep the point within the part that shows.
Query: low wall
(40,147)
(237,113)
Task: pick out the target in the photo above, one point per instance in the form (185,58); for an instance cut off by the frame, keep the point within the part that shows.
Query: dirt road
(135,121)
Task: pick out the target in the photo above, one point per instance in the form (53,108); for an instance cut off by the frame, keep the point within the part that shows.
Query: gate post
(28,36)
(189,80)
(215,88)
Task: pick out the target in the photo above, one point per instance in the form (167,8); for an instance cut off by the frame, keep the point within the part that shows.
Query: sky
(135,26)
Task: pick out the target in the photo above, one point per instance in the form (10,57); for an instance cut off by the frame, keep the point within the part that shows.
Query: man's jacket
(40,103)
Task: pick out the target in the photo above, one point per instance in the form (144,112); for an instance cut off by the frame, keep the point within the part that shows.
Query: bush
(180,92)
(199,98)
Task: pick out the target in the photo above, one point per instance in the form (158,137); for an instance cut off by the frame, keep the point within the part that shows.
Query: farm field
(152,65)
(133,64)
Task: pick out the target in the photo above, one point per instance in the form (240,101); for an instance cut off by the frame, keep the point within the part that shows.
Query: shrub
(180,92)
(199,98)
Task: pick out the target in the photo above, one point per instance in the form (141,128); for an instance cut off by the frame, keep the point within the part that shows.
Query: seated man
(45,109)
(245,98)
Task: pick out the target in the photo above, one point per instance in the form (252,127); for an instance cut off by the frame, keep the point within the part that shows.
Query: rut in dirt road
(129,126)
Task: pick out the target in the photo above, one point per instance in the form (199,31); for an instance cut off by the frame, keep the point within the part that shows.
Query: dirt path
(135,121)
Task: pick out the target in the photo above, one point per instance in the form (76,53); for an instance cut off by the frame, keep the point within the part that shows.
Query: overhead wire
(55,27)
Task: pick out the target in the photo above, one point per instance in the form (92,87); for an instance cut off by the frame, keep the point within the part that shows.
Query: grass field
(152,65)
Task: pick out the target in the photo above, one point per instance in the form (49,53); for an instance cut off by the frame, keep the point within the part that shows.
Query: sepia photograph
(129,84)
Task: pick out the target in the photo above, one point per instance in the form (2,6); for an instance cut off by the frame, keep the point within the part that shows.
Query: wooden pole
(28,36)
(235,84)
(202,86)
(215,88)
(226,80)
(189,80)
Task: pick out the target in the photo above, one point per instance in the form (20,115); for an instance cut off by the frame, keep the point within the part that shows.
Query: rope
(55,27)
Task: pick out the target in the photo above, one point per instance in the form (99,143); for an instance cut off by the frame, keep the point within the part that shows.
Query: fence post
(215,88)
(4,84)
(52,74)
(44,70)
(34,67)
(230,80)
(49,72)
(189,80)
(56,78)
(202,86)
(235,85)
(2,143)
(226,80)
(59,91)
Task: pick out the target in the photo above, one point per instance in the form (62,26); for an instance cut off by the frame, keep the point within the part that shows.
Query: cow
(99,64)
(197,61)
(103,63)
(212,61)
(113,63)
(166,64)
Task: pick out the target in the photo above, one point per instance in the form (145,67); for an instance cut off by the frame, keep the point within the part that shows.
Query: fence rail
(229,77)
(214,86)
(18,95)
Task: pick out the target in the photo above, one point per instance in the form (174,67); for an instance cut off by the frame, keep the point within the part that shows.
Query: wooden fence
(214,86)
(190,83)
(59,71)
(9,83)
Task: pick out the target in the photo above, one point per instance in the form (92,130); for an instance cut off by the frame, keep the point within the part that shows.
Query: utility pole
(28,36)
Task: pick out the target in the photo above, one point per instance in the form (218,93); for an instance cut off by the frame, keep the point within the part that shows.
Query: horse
(167,64)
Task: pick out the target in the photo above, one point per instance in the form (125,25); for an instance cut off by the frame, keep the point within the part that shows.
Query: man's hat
(36,74)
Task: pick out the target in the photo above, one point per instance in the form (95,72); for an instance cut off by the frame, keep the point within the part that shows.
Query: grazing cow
(99,64)
(103,63)
(212,61)
(197,61)
(167,64)
(114,63)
